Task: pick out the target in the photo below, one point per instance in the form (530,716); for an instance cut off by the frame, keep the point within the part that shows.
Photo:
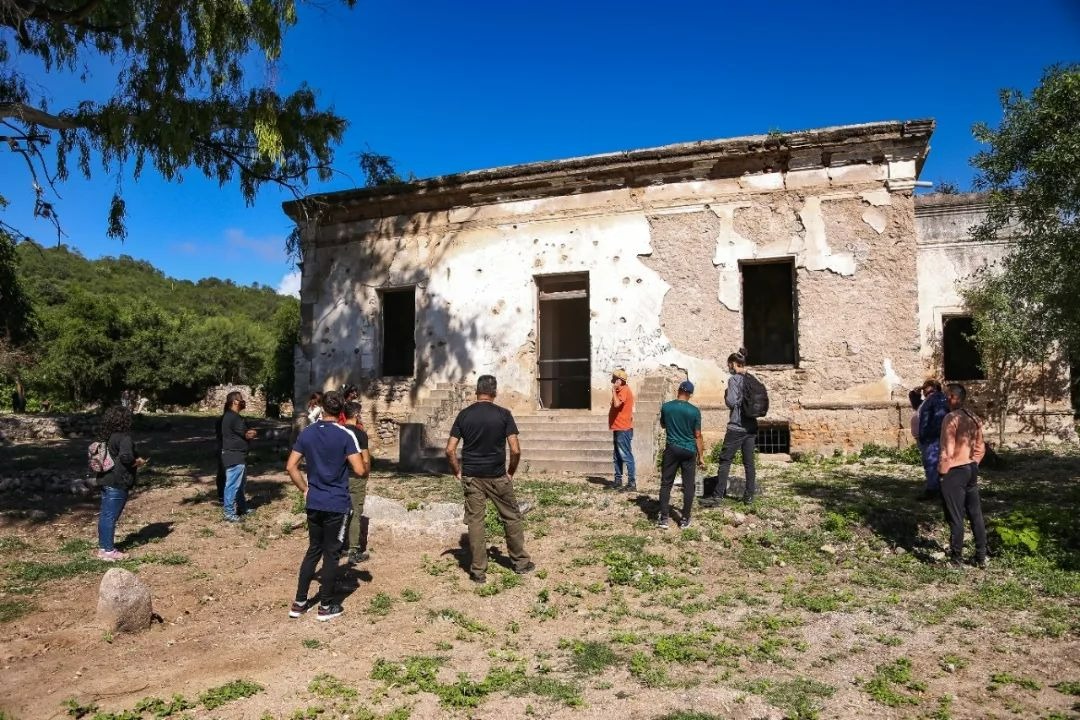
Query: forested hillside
(102,326)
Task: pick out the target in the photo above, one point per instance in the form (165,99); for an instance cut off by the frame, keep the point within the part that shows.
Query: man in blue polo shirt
(329,450)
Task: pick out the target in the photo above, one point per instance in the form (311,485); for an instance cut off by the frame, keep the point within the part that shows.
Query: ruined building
(803,247)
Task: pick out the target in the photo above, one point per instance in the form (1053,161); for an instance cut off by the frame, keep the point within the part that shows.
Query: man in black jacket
(235,436)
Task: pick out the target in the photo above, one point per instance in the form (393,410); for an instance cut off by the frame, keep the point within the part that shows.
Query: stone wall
(26,427)
(214,401)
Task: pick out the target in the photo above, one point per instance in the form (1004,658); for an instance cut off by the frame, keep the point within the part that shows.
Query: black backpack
(755,398)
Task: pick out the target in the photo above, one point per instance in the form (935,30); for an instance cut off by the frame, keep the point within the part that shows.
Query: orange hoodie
(961,440)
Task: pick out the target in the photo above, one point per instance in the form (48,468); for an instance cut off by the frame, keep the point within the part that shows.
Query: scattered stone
(938,555)
(735,517)
(124,602)
(899,550)
(433,518)
(828,549)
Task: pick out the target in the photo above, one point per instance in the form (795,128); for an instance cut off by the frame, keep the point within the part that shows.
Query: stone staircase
(552,441)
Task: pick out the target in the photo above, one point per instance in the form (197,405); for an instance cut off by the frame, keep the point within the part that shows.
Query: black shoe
(616,486)
(526,569)
(357,556)
(982,563)
(954,562)
(329,611)
(299,607)
(684,523)
(478,578)
(632,487)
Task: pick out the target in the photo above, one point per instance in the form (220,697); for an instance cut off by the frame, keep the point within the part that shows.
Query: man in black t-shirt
(235,437)
(485,429)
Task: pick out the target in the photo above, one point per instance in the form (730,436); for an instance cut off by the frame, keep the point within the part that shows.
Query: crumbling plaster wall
(661,263)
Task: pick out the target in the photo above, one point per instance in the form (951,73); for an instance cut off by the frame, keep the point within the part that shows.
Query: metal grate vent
(774,438)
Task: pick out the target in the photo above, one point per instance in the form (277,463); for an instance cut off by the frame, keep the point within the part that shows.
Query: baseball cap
(686,387)
(621,374)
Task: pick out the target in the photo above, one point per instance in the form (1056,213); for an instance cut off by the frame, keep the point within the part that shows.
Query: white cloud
(290,284)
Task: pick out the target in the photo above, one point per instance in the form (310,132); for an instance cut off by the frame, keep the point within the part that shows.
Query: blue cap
(686,387)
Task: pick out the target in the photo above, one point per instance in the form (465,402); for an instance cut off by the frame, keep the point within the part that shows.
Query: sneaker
(329,611)
(684,523)
(110,555)
(478,578)
(662,523)
(299,607)
(357,556)
(617,485)
(954,562)
(631,487)
(982,563)
(232,518)
(526,569)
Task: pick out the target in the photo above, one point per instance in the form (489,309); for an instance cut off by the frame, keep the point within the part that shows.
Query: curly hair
(116,419)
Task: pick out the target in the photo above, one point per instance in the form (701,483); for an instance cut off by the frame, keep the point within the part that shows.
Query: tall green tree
(280,370)
(1012,337)
(183,97)
(1031,172)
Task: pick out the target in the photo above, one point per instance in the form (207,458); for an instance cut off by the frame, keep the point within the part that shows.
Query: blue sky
(444,87)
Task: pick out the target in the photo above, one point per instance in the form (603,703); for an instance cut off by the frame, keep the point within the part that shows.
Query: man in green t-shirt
(682,421)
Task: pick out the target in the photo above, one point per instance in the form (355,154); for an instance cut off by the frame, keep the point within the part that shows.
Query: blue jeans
(623,454)
(931,453)
(235,502)
(113,500)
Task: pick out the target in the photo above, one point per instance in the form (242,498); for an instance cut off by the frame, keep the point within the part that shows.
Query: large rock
(123,602)
(438,518)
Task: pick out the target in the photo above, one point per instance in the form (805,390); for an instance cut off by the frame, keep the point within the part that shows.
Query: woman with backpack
(747,399)
(116,478)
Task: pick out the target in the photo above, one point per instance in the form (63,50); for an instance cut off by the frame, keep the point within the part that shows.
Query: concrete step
(552,438)
(551,453)
(568,447)
(577,467)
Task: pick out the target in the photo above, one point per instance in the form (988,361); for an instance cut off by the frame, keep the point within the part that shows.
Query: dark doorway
(398,332)
(563,365)
(769,312)
(961,356)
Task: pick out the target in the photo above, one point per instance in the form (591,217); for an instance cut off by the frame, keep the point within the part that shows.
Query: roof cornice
(703,160)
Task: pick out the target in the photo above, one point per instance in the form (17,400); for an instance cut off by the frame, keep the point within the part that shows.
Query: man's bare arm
(292,467)
(616,401)
(700,448)
(451,456)
(515,454)
(358,464)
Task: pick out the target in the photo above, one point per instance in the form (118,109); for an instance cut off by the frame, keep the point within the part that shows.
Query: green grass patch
(13,544)
(648,671)
(1000,679)
(884,687)
(380,605)
(11,610)
(326,685)
(311,643)
(163,708)
(684,648)
(504,580)
(590,657)
(458,618)
(235,690)
(800,697)
(410,595)
(1068,687)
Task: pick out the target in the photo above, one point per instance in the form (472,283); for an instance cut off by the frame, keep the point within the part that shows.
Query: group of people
(684,449)
(950,440)
(334,450)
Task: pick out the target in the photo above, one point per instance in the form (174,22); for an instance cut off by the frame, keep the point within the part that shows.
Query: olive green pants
(500,490)
(358,492)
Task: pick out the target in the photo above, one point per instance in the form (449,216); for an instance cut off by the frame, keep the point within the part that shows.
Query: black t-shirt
(234,445)
(359,434)
(483,428)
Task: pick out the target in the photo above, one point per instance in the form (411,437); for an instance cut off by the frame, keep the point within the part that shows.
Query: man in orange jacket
(962,449)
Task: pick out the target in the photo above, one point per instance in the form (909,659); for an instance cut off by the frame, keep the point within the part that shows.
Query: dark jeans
(326,535)
(931,453)
(622,454)
(960,496)
(113,500)
(677,458)
(500,490)
(736,439)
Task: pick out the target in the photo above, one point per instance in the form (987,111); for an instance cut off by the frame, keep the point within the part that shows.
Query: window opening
(961,356)
(769,312)
(399,332)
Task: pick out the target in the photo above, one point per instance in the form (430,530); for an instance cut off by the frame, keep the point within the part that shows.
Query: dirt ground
(821,600)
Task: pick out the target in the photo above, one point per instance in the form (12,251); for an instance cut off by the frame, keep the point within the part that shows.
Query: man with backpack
(748,400)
